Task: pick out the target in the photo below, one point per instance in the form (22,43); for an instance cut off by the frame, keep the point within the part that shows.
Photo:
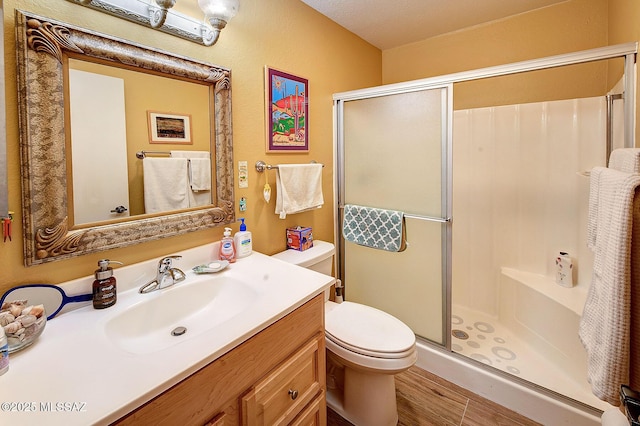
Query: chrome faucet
(166,277)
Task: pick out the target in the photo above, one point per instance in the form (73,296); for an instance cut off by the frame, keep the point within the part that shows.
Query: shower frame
(626,51)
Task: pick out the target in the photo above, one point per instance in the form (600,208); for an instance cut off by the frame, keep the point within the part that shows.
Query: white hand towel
(165,184)
(605,323)
(200,174)
(298,188)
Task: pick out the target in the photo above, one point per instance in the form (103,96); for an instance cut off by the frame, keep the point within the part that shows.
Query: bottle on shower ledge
(564,270)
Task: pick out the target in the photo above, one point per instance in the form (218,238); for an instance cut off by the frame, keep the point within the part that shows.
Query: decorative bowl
(22,323)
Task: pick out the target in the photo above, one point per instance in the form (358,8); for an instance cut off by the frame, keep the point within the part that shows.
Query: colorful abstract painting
(287,112)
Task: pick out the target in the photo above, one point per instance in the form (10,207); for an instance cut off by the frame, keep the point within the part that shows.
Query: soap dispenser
(242,240)
(104,286)
(227,247)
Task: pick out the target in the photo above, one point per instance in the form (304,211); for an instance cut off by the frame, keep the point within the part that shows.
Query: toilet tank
(318,258)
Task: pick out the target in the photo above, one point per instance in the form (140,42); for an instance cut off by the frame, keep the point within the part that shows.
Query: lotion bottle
(227,247)
(104,286)
(242,240)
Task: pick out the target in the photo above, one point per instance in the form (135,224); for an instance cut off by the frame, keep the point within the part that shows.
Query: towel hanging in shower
(376,228)
(605,327)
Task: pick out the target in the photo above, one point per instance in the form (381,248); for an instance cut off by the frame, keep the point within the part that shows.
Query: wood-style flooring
(427,400)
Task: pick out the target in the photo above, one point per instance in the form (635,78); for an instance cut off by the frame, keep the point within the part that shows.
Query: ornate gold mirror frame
(42,45)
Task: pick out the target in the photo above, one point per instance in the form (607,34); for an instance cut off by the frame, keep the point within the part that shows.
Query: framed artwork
(169,128)
(287,99)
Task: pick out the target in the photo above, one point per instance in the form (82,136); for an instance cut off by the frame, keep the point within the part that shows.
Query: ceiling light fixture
(158,14)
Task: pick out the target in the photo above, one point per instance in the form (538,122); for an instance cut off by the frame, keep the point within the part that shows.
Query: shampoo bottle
(104,286)
(242,240)
(227,247)
(564,272)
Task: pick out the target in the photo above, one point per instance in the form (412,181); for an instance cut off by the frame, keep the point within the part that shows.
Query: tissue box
(299,238)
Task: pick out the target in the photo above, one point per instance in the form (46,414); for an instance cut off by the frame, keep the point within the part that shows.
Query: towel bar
(141,154)
(420,217)
(261,166)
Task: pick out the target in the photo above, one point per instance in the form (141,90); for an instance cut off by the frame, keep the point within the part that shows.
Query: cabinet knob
(293,393)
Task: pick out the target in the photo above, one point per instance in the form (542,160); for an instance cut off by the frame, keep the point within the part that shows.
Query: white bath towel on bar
(625,160)
(605,324)
(298,188)
(165,184)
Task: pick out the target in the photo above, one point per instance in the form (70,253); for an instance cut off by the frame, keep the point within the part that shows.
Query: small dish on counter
(22,323)
(212,267)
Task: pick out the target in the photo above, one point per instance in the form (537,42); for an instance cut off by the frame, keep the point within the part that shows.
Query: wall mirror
(45,48)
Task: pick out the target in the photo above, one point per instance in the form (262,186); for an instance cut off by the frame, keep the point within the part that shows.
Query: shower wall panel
(520,192)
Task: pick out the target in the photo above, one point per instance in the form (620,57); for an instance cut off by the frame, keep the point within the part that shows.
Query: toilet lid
(367,330)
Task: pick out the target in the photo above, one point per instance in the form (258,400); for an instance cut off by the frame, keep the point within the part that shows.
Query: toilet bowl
(366,347)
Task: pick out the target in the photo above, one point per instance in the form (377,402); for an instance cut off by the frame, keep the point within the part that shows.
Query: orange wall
(283,34)
(563,28)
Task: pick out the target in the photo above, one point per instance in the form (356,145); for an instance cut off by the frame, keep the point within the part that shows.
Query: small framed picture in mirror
(169,128)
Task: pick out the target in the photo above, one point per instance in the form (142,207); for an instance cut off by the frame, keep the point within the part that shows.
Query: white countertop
(75,375)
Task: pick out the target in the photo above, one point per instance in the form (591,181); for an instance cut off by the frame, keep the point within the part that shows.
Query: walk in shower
(493,187)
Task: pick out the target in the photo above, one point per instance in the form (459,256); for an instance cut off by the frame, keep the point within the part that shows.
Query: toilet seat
(368,331)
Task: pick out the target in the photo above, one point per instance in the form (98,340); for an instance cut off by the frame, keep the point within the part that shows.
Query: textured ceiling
(392,23)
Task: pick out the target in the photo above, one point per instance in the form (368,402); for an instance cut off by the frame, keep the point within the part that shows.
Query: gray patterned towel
(376,228)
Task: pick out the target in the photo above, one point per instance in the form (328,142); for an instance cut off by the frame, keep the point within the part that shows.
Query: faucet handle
(177,275)
(166,263)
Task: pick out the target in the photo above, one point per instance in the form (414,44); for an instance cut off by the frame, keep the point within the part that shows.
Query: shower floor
(483,338)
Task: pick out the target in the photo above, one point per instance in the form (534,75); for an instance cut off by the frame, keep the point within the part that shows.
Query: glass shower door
(394,153)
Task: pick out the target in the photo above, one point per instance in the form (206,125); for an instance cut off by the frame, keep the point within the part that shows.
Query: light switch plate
(243,174)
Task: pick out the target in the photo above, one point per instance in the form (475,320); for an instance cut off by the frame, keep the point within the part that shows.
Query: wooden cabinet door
(283,394)
(314,415)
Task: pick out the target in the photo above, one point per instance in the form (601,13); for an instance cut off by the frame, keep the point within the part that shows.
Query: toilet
(366,347)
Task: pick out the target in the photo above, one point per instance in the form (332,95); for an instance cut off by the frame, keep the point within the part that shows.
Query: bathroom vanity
(275,377)
(253,353)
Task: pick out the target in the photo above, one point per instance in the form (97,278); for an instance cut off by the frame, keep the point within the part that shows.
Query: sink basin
(198,304)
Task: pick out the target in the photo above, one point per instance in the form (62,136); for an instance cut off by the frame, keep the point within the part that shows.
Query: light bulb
(223,10)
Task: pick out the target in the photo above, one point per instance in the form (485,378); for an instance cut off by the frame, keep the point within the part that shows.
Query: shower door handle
(419,217)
